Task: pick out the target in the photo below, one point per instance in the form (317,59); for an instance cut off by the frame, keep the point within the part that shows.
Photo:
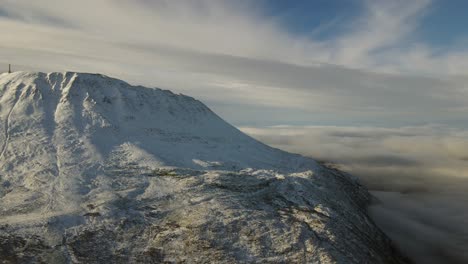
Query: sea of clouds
(419,176)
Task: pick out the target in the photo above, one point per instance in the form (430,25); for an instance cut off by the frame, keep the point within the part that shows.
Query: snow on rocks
(94,170)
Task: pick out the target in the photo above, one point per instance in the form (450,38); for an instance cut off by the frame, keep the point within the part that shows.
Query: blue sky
(318,19)
(442,26)
(445,23)
(351,62)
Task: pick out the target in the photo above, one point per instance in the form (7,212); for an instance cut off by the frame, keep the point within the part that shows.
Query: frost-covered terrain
(94,170)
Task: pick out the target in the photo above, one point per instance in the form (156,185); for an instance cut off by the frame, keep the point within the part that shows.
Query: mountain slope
(96,170)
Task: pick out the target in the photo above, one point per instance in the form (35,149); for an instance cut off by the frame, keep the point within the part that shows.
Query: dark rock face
(27,249)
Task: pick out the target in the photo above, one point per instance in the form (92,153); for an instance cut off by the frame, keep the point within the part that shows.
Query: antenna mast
(9,68)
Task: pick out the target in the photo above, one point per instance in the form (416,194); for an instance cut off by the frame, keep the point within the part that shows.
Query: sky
(262,62)
(379,87)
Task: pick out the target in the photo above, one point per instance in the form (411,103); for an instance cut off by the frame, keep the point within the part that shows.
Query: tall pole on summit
(9,68)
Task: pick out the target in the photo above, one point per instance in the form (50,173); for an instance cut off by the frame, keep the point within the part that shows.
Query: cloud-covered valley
(419,176)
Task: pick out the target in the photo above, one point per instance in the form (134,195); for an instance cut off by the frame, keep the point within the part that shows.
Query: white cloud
(384,25)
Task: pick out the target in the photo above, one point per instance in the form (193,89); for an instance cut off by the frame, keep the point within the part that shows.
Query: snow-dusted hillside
(95,170)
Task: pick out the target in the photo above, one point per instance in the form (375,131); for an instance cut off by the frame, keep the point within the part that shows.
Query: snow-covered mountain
(94,170)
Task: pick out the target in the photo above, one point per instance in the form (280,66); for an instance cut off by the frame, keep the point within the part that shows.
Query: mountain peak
(115,112)
(94,170)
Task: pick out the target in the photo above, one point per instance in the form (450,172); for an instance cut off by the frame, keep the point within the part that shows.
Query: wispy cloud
(207,47)
(383,26)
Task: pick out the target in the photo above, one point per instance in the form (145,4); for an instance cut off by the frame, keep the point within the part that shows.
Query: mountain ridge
(96,170)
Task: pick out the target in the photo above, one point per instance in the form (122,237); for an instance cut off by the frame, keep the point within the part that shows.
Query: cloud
(205,48)
(376,39)
(384,25)
(428,230)
(419,176)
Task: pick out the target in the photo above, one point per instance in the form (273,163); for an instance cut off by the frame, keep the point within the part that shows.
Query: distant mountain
(94,170)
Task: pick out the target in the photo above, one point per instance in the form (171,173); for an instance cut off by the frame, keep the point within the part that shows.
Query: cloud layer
(418,174)
(206,48)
